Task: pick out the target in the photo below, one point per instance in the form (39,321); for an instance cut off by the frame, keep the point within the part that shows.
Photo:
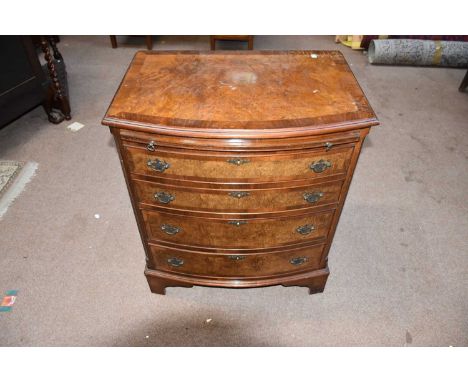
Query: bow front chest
(238,163)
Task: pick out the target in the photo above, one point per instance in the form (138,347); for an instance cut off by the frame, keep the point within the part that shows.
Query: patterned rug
(13,178)
(8,171)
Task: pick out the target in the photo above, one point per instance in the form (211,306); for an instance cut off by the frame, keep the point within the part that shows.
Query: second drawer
(236,233)
(237,200)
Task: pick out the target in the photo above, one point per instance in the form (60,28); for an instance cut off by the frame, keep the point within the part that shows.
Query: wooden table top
(258,90)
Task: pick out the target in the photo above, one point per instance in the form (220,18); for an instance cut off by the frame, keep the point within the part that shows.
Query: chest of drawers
(238,163)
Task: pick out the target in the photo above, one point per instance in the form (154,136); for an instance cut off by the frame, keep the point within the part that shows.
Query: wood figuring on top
(240,90)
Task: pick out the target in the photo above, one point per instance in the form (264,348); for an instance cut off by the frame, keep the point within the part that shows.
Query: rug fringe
(15,189)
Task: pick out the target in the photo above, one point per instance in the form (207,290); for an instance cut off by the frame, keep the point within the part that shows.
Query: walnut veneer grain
(238,163)
(247,167)
(259,89)
(237,265)
(236,199)
(234,232)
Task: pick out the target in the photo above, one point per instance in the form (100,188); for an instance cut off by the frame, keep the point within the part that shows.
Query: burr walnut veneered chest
(238,163)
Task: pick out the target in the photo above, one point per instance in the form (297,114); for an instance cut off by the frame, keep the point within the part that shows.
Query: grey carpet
(398,263)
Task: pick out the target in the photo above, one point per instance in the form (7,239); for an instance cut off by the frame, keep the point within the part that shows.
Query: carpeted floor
(399,261)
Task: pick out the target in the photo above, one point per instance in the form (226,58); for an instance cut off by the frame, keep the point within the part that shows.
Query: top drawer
(238,167)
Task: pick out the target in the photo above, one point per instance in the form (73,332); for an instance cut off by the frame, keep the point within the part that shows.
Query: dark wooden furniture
(21,78)
(238,164)
(148,39)
(56,103)
(23,82)
(248,39)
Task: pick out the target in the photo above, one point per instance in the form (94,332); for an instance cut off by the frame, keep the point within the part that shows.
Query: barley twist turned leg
(55,92)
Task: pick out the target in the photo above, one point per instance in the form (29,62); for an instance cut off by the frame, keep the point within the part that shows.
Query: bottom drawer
(236,265)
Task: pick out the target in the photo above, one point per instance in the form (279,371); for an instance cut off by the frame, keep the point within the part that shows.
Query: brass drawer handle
(312,197)
(305,229)
(170,229)
(328,146)
(158,165)
(238,161)
(175,262)
(298,260)
(151,146)
(239,194)
(320,166)
(236,257)
(164,197)
(237,223)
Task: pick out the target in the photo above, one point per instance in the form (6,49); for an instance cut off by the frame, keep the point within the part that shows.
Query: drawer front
(236,168)
(236,265)
(236,234)
(237,200)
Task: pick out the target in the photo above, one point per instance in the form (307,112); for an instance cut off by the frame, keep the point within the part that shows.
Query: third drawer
(237,233)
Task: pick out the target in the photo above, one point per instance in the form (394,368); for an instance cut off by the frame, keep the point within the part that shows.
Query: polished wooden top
(253,90)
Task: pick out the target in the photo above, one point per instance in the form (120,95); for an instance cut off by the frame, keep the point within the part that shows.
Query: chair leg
(53,116)
(55,90)
(113,41)
(149,42)
(464,83)
(250,42)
